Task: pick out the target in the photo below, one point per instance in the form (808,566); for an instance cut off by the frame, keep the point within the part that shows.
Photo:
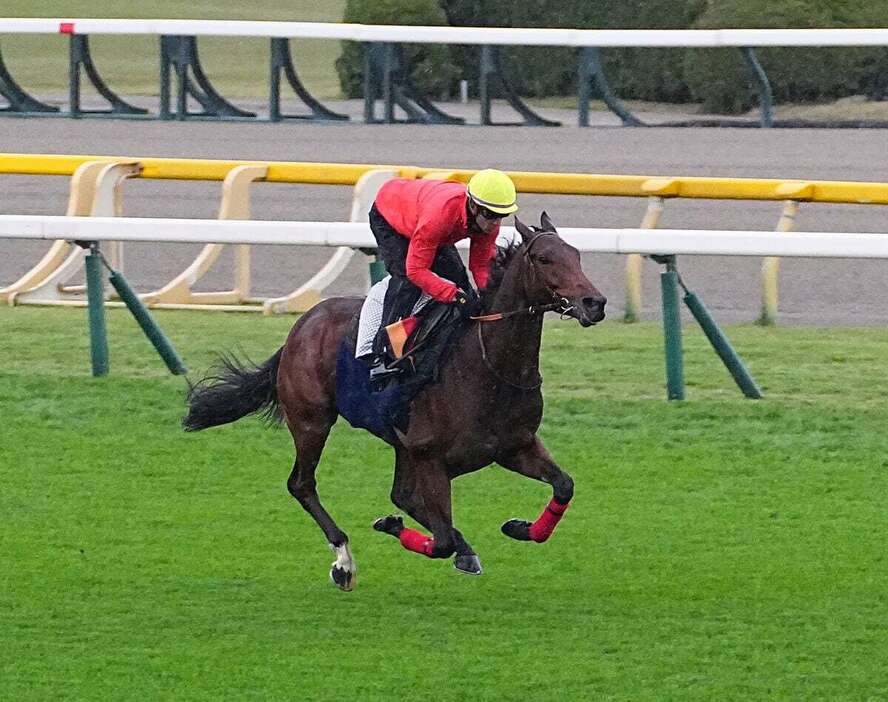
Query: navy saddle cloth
(379,412)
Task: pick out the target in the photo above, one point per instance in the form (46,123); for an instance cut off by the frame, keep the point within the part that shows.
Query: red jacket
(432,213)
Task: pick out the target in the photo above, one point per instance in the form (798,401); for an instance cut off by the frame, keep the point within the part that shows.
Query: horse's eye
(544,260)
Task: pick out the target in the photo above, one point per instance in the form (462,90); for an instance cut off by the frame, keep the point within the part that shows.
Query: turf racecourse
(716,549)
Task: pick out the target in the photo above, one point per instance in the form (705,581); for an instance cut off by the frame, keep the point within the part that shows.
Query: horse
(484,407)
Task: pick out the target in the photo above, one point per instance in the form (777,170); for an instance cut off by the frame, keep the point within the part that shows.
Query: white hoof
(344,570)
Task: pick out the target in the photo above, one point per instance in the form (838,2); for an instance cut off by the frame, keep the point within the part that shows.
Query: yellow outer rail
(846,192)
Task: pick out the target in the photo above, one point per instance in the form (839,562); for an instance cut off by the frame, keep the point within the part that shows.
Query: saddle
(409,337)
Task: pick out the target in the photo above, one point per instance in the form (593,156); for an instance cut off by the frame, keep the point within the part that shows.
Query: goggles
(489,214)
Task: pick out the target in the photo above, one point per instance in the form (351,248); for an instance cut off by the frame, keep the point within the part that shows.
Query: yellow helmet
(494,190)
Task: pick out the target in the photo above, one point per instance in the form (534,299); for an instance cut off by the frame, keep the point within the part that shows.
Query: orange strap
(488,317)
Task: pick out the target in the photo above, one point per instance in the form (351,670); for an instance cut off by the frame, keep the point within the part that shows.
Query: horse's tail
(233,390)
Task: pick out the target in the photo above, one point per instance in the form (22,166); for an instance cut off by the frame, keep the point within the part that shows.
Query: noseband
(561,305)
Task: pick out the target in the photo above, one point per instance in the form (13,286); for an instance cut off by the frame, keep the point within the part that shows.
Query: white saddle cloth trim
(371,315)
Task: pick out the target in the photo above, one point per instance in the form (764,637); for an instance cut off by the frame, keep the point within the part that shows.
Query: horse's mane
(504,254)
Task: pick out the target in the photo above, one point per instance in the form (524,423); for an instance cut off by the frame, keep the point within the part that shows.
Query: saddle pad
(376,412)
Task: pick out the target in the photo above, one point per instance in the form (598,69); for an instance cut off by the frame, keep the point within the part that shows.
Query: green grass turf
(237,66)
(719,548)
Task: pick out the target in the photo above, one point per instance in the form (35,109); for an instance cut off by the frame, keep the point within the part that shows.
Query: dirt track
(812,292)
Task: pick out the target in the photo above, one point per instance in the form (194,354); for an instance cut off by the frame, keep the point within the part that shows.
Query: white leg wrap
(344,559)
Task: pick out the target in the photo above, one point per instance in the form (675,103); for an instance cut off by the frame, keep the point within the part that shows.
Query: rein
(561,305)
(500,378)
(531,311)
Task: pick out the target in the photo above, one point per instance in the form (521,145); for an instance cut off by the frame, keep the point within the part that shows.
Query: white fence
(457,35)
(179,37)
(358,235)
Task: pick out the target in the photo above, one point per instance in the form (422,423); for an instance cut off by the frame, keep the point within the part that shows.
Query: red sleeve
(420,256)
(481,252)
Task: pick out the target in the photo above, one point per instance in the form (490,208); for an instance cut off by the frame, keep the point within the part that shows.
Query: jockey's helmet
(493,190)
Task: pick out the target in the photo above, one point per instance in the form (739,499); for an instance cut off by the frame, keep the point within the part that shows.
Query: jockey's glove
(466,304)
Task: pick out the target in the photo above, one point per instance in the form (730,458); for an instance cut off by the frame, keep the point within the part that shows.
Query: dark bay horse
(485,406)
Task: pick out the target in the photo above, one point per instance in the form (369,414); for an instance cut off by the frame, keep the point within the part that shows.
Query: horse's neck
(513,345)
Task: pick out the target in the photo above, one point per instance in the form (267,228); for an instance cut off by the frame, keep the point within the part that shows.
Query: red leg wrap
(543,527)
(416,541)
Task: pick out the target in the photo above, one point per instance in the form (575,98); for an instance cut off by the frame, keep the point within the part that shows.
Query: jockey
(416,224)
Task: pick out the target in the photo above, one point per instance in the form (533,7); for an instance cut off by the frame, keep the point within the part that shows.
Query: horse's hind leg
(535,462)
(310,431)
(406,494)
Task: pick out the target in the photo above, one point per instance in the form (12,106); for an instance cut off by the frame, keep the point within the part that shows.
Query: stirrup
(380,372)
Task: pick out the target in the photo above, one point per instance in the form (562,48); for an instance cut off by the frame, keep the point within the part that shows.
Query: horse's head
(552,274)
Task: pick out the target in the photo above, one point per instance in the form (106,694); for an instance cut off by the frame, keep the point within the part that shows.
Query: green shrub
(643,73)
(650,74)
(722,82)
(431,67)
(719,78)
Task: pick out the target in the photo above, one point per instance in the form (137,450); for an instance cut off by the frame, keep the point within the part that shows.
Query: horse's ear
(546,223)
(522,229)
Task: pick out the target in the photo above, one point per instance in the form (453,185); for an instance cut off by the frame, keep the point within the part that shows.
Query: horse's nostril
(591,302)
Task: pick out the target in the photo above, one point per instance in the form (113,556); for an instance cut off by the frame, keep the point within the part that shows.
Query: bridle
(560,304)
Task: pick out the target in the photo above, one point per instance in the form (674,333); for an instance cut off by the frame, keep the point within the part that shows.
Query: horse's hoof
(342,578)
(468,563)
(344,570)
(392,524)
(517,529)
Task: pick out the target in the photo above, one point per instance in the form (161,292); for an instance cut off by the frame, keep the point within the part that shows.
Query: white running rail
(456,35)
(358,235)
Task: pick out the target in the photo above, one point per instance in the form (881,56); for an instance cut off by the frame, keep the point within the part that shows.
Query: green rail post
(766,97)
(377,267)
(377,271)
(95,294)
(672,329)
(722,347)
(146,321)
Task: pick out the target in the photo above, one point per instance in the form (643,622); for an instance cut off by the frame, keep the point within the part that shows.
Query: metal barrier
(663,248)
(386,75)
(53,289)
(235,205)
(96,190)
(46,280)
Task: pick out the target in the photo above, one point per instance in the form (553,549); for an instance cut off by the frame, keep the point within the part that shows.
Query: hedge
(431,66)
(718,78)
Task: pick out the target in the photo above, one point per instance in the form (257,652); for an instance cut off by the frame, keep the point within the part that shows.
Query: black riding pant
(402,294)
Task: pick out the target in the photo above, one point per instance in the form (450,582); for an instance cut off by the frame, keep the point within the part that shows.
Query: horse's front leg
(406,496)
(422,489)
(534,461)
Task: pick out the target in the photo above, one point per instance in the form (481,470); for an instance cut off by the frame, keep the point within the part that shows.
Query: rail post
(95,292)
(672,329)
(154,333)
(670,282)
(766,99)
(75,55)
(388,87)
(771,269)
(722,347)
(377,270)
(633,312)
